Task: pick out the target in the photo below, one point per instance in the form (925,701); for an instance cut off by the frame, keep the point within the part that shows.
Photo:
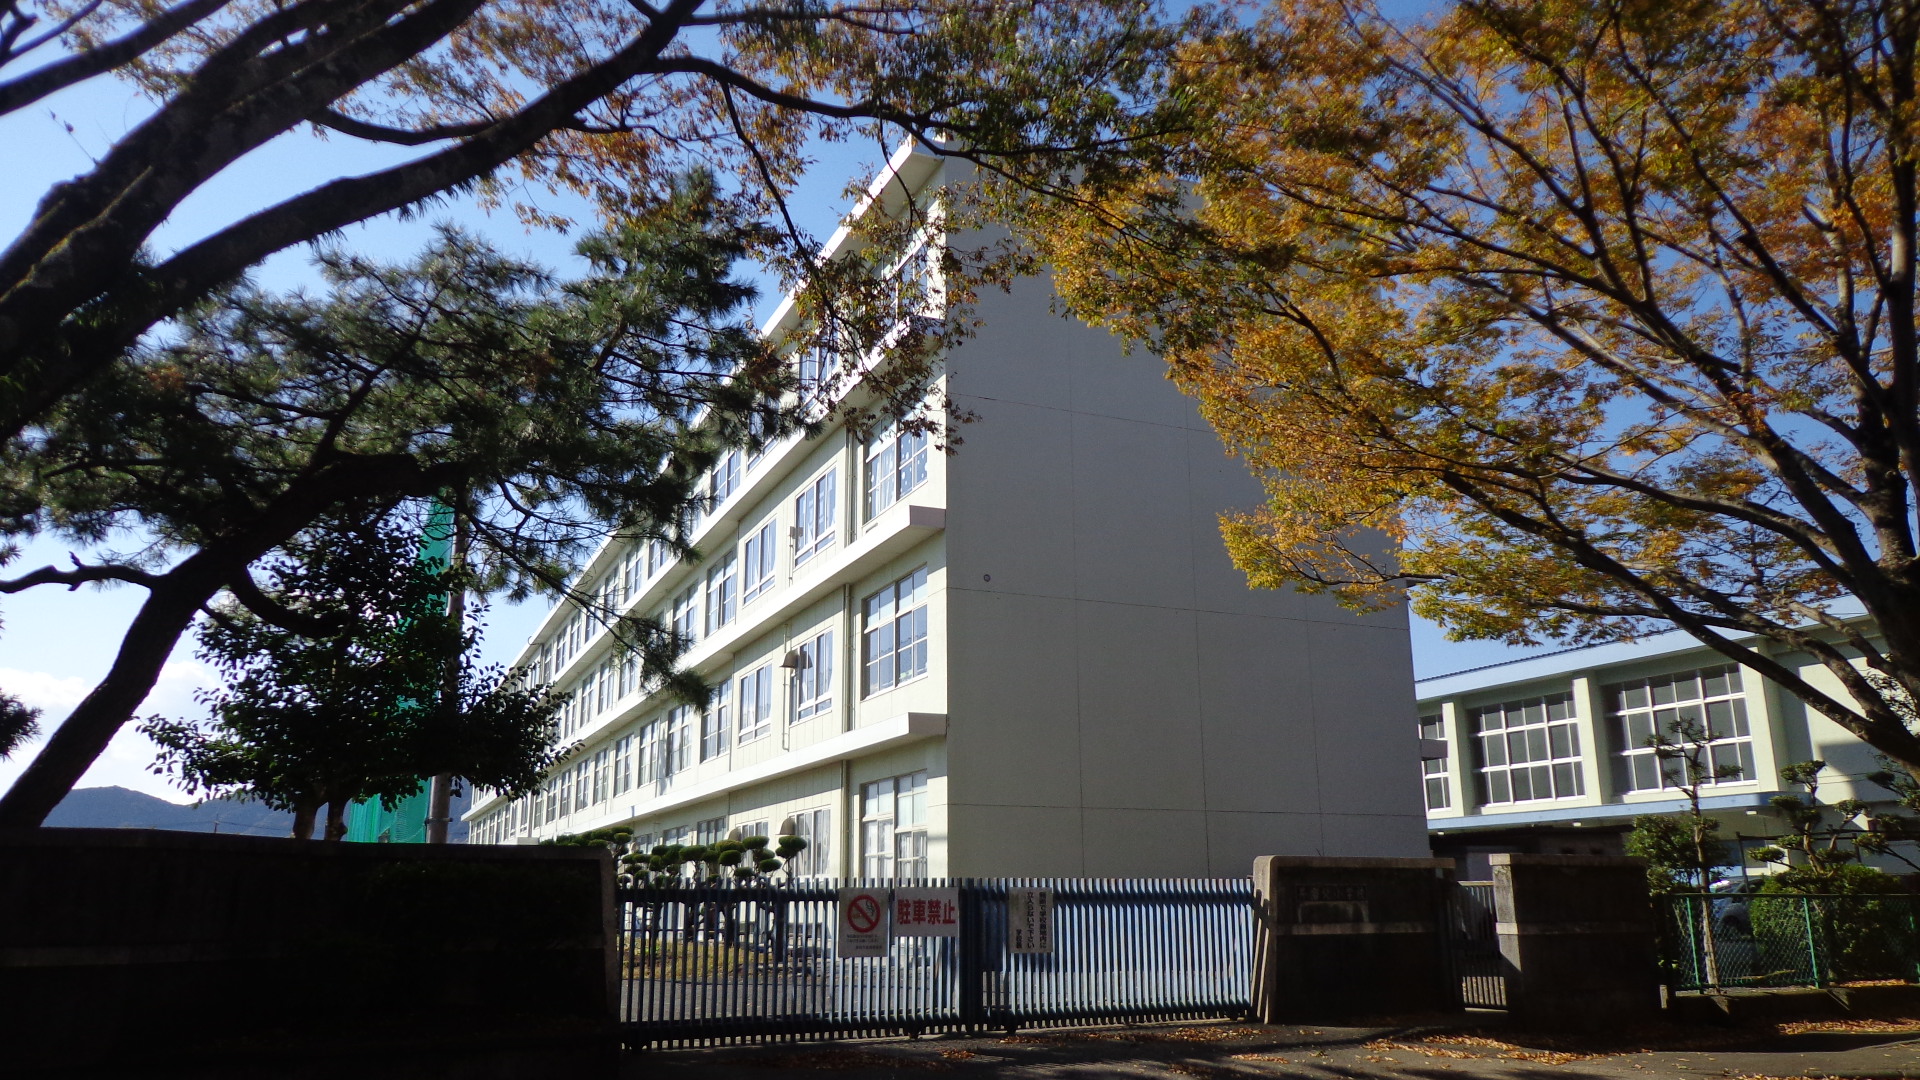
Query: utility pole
(440,790)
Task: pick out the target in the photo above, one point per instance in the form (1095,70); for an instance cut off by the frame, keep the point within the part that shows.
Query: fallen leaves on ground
(1903,1025)
(827,1060)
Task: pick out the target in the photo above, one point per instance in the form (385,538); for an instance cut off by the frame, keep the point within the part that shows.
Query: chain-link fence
(1776,939)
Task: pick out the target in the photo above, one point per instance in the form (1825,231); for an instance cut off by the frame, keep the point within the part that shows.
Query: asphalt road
(1222,1051)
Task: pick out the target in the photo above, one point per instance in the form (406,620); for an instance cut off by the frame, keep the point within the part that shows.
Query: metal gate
(726,963)
(1472,947)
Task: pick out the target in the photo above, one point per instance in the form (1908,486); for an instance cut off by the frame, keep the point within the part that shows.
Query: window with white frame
(894,634)
(710,831)
(653,751)
(725,478)
(713,725)
(679,739)
(723,592)
(583,784)
(812,368)
(750,829)
(813,511)
(629,676)
(645,843)
(609,692)
(657,557)
(633,574)
(896,464)
(566,792)
(602,775)
(675,836)
(1529,750)
(813,690)
(816,828)
(685,614)
(757,563)
(622,764)
(1434,770)
(893,827)
(1709,701)
(756,703)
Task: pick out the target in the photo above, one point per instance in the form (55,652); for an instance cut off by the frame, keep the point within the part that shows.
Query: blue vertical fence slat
(712,964)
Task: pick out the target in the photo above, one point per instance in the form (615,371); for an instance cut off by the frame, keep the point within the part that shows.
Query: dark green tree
(562,411)
(382,689)
(19,724)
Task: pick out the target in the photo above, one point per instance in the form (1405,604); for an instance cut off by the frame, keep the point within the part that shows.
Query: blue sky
(55,643)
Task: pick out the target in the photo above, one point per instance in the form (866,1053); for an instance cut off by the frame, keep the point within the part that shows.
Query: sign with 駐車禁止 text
(1030,920)
(863,923)
(926,912)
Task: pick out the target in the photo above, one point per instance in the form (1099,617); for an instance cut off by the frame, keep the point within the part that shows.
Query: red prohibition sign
(863,913)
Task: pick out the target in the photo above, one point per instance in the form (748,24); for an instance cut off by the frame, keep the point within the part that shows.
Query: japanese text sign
(863,923)
(926,912)
(1029,920)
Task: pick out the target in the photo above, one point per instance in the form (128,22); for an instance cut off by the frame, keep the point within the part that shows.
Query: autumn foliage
(1580,320)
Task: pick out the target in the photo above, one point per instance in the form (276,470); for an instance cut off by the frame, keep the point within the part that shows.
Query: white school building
(1028,657)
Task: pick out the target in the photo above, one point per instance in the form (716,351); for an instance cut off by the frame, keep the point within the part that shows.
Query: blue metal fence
(727,963)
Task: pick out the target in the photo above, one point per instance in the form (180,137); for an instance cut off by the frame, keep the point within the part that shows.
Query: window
(1434,770)
(622,764)
(757,560)
(629,676)
(893,827)
(816,828)
(896,464)
(895,637)
(686,614)
(710,831)
(602,775)
(725,479)
(633,574)
(756,703)
(679,739)
(814,364)
(583,784)
(566,792)
(713,726)
(644,843)
(813,692)
(657,557)
(653,752)
(750,829)
(813,518)
(723,592)
(674,836)
(1709,700)
(1529,750)
(608,692)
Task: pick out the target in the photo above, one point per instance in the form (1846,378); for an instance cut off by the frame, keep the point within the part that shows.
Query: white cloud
(55,694)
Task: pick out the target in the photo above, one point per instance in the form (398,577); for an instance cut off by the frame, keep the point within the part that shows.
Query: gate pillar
(1346,938)
(1576,939)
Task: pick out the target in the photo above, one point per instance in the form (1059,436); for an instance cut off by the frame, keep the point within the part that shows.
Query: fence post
(1816,957)
(1344,938)
(973,934)
(1576,939)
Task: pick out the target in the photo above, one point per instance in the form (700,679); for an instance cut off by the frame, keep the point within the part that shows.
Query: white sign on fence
(926,912)
(863,923)
(1030,920)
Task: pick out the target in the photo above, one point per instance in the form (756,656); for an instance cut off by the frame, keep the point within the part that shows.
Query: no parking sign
(863,923)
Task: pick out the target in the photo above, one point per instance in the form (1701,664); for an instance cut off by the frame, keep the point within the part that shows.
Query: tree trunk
(79,740)
(303,816)
(336,820)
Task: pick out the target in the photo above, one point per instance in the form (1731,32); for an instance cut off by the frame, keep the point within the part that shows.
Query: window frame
(759,563)
(814,510)
(892,607)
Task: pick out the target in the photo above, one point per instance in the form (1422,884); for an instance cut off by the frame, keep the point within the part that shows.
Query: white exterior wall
(1105,696)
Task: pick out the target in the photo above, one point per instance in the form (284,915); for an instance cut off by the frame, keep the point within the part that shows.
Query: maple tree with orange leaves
(1576,321)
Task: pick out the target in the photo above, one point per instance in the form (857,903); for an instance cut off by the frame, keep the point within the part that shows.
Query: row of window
(1529,750)
(895,464)
(893,822)
(741,710)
